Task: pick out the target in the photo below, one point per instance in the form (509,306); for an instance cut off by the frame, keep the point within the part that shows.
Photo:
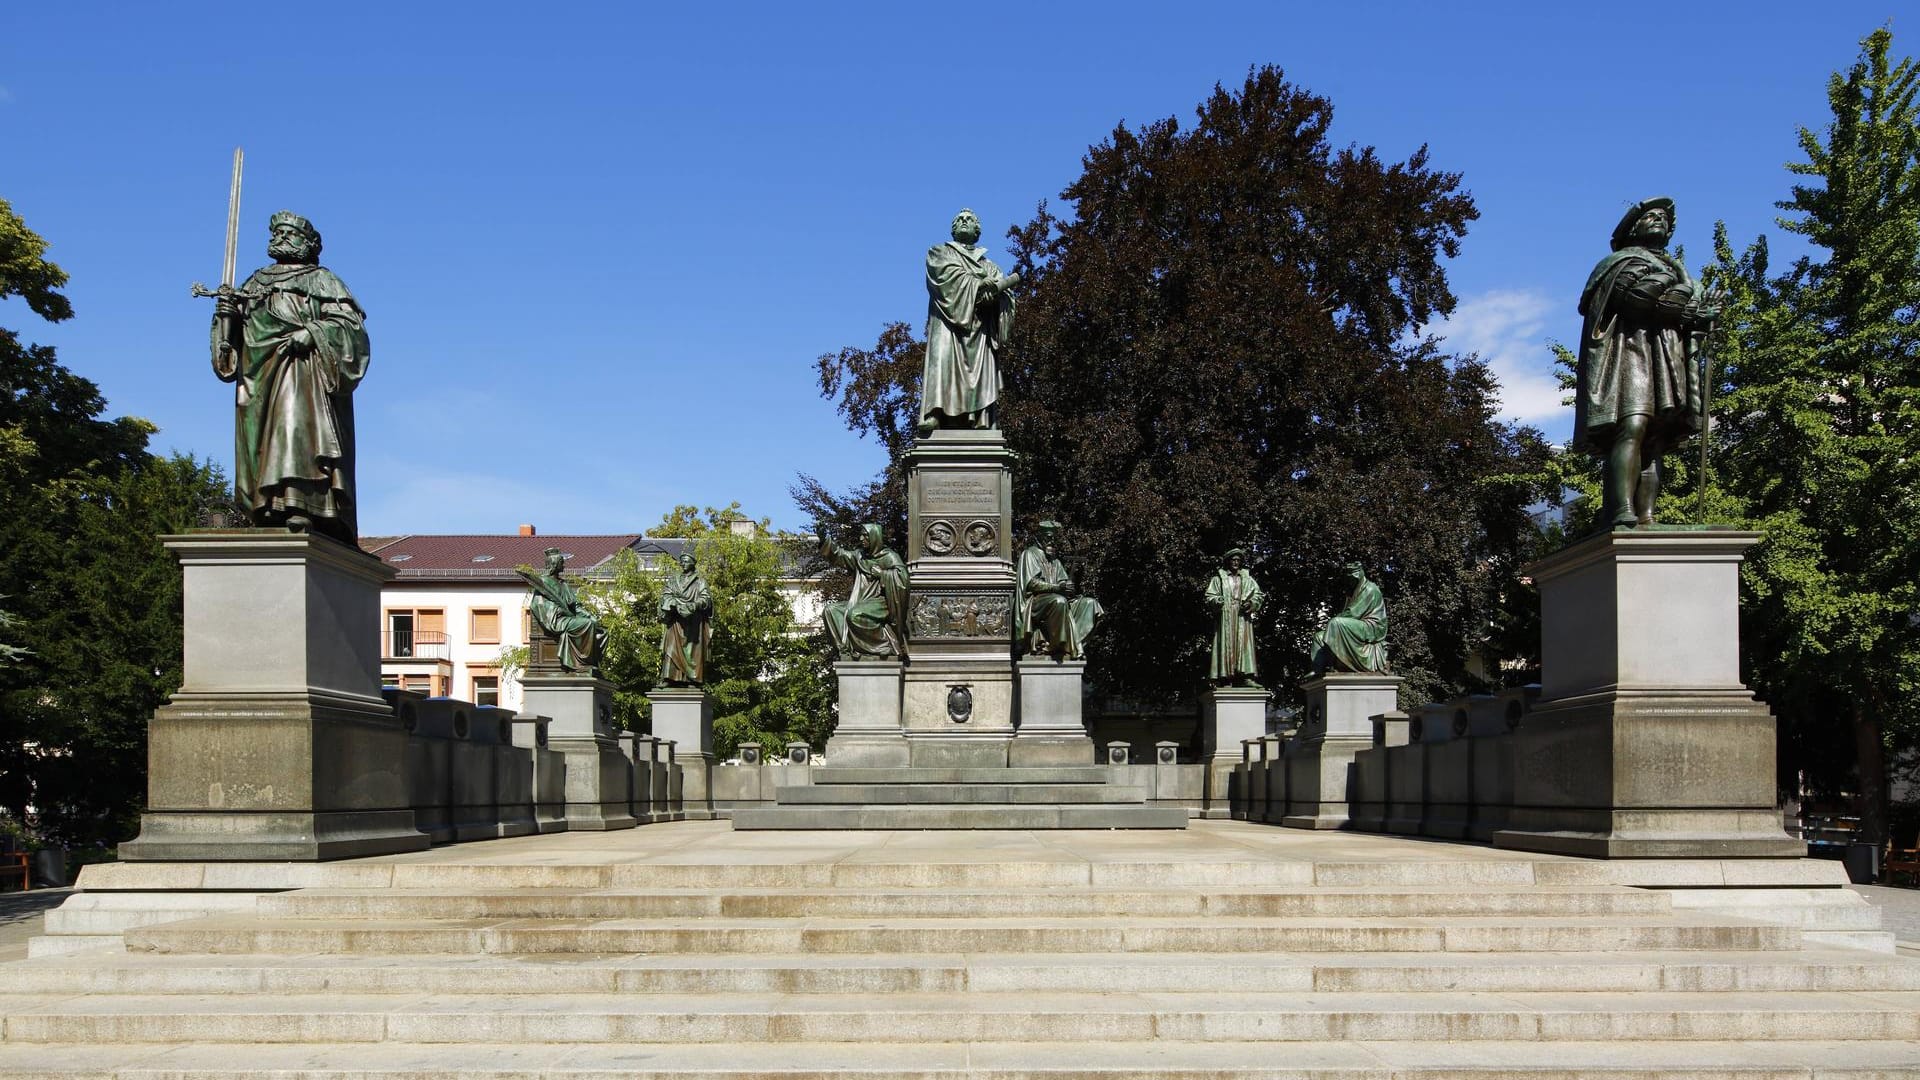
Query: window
(486,690)
(415,632)
(419,683)
(486,626)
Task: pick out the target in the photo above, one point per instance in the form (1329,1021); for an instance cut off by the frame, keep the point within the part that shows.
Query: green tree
(763,671)
(95,597)
(1819,433)
(1223,343)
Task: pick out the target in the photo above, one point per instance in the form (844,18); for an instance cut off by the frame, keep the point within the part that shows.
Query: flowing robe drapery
(872,621)
(1235,598)
(1040,607)
(293,434)
(966,329)
(1356,639)
(557,610)
(1637,352)
(686,609)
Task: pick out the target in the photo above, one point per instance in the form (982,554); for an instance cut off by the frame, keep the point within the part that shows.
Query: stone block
(868,731)
(1643,742)
(1320,781)
(684,714)
(278,745)
(1406,788)
(1228,716)
(1367,812)
(1343,704)
(1448,789)
(1051,730)
(1492,784)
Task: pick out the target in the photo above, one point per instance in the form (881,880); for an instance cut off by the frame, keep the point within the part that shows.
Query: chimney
(741,526)
(527,530)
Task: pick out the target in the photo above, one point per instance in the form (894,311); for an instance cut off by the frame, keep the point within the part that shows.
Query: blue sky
(601,245)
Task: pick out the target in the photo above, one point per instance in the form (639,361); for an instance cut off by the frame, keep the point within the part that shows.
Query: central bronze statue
(294,342)
(1051,617)
(1640,387)
(969,319)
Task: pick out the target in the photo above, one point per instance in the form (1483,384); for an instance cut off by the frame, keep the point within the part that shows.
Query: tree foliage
(95,599)
(761,671)
(1819,433)
(1222,342)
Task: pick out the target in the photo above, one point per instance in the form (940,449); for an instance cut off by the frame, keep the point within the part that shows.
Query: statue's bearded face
(966,228)
(289,245)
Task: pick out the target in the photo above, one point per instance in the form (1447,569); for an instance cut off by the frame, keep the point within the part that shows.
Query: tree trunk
(1870,752)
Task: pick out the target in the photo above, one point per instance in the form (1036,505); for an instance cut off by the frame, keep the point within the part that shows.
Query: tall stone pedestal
(958,700)
(1644,741)
(684,714)
(581,731)
(1229,715)
(278,745)
(1052,730)
(1338,724)
(868,732)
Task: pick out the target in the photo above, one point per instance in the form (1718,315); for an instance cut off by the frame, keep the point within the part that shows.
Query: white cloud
(1509,329)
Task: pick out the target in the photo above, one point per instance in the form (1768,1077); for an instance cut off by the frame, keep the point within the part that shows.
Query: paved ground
(20,918)
(1899,912)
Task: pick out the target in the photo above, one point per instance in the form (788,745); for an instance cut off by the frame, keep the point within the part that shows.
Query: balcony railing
(414,645)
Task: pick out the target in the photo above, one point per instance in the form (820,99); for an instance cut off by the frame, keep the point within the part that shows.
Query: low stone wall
(478,772)
(750,785)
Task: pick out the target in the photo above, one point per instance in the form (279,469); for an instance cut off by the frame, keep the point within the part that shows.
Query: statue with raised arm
(559,614)
(294,342)
(1356,638)
(1051,617)
(686,612)
(969,319)
(872,620)
(1640,390)
(1234,598)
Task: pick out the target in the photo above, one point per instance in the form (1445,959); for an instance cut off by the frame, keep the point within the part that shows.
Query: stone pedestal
(1229,716)
(1052,729)
(868,731)
(1338,724)
(685,715)
(958,704)
(580,729)
(1644,742)
(278,745)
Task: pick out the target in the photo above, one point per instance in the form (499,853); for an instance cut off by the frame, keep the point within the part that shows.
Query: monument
(1350,686)
(1052,620)
(1233,708)
(294,342)
(563,682)
(682,710)
(278,744)
(869,634)
(1644,741)
(1640,390)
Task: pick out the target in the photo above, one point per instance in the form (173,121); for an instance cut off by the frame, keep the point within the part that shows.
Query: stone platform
(1228,950)
(1042,797)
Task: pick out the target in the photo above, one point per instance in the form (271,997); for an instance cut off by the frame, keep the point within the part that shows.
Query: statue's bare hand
(228,306)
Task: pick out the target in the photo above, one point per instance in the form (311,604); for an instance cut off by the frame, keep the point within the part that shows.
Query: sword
(224,363)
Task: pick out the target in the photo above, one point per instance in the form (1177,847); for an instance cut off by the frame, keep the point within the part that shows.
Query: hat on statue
(1623,232)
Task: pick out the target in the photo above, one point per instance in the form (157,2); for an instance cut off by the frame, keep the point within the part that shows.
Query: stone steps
(1091,775)
(1700,972)
(997,1060)
(911,817)
(954,903)
(1022,1016)
(238,935)
(1001,794)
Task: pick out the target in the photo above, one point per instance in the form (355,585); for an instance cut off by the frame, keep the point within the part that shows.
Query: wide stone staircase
(931,969)
(1059,797)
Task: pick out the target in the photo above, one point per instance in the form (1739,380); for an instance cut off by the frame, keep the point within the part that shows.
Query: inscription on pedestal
(959,492)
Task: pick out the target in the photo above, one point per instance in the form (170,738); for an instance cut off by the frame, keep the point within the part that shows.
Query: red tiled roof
(481,557)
